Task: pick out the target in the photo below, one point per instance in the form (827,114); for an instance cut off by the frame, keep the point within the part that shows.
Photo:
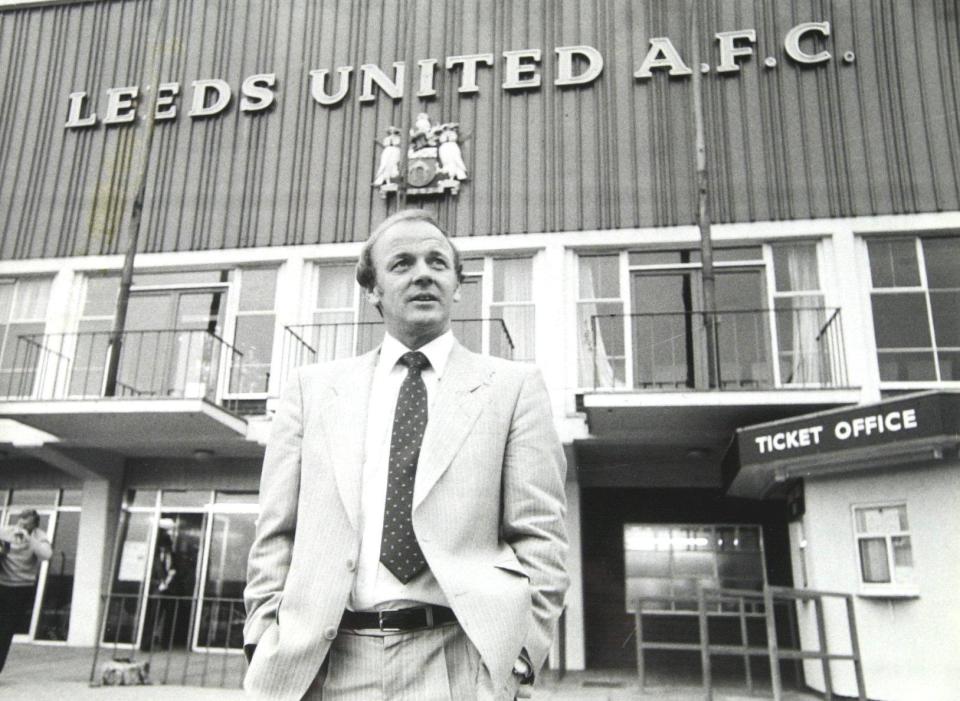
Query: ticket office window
(884,548)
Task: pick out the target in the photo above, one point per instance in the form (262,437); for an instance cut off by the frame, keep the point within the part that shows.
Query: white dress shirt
(375,587)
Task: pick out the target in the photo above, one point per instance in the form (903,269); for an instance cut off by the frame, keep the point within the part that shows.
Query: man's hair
(367,273)
(32,515)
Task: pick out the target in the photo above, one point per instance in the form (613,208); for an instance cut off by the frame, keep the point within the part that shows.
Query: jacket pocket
(510,563)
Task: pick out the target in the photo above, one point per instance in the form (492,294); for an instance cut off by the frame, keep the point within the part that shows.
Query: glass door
(222,613)
(155,579)
(173,580)
(28,619)
(743,330)
(198,343)
(173,344)
(53,621)
(669,349)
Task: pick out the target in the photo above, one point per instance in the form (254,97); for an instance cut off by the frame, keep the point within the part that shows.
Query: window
(23,310)
(600,322)
(59,512)
(339,305)
(665,564)
(253,336)
(512,303)
(883,545)
(915,296)
(93,339)
(808,335)
(641,322)
(495,314)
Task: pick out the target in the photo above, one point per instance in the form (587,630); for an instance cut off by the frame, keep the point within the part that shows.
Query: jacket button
(330,633)
(351,564)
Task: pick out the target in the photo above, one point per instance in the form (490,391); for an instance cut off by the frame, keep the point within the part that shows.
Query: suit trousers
(436,664)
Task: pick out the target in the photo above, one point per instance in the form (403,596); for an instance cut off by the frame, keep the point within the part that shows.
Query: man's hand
(523,672)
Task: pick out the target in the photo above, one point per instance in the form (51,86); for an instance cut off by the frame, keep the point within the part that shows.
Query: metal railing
(756,349)
(185,363)
(743,606)
(311,343)
(184,640)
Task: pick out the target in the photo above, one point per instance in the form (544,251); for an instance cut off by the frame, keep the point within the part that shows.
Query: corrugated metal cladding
(878,135)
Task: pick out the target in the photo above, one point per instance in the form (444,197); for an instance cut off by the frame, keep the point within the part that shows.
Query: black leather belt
(397,620)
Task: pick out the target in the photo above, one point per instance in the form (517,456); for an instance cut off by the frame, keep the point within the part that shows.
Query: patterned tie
(399,551)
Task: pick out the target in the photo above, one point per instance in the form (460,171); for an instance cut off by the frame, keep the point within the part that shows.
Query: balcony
(170,363)
(169,396)
(654,394)
(762,349)
(313,343)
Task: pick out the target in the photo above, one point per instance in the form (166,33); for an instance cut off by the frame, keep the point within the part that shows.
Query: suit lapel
(458,404)
(345,419)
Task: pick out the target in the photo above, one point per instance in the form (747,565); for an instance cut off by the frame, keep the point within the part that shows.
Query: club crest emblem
(434,162)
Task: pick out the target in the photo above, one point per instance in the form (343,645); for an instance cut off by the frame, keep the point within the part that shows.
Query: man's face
(416,283)
(25,523)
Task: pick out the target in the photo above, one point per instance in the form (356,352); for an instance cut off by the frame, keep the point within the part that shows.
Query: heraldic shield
(434,160)
(422,167)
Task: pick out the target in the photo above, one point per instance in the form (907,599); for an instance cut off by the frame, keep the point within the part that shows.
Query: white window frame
(924,288)
(52,511)
(763,263)
(484,274)
(893,588)
(232,315)
(6,323)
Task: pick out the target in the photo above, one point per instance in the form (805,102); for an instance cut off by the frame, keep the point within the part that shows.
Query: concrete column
(100,507)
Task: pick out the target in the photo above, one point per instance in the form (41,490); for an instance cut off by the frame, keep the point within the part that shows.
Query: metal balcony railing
(182,363)
(756,349)
(313,343)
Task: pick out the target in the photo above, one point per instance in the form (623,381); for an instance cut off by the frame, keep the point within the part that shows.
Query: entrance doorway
(676,534)
(180,572)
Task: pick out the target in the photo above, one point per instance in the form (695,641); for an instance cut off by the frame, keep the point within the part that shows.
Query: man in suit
(411,538)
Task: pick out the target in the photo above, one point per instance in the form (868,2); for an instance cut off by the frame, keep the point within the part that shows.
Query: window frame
(484,273)
(233,314)
(893,588)
(923,287)
(764,263)
(15,282)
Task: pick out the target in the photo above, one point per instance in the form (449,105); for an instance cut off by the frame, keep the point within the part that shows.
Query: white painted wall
(910,646)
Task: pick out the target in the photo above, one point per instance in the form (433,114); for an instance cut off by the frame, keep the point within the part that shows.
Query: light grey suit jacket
(488,511)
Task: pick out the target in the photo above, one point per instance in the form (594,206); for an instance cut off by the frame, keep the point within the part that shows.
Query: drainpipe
(136,214)
(703,208)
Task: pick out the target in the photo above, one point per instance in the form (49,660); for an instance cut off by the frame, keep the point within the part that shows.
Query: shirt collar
(437,352)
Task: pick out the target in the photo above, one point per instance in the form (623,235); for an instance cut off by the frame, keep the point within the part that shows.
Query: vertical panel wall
(875,132)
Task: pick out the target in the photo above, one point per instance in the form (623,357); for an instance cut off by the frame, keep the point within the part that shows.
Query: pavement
(57,673)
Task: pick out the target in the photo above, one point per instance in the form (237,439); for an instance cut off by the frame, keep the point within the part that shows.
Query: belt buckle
(383,626)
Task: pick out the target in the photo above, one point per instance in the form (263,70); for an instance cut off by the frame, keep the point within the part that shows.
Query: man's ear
(373,296)
(456,293)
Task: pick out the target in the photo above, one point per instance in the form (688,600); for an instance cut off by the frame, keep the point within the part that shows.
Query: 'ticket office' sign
(885,423)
